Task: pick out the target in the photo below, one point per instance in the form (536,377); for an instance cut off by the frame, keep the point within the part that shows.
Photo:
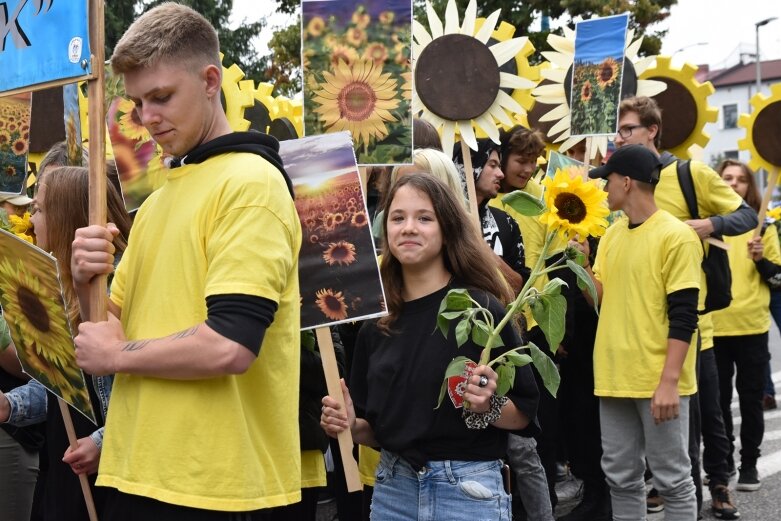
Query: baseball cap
(16,200)
(635,161)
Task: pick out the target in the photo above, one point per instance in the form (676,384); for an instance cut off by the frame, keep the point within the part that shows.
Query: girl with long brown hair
(450,452)
(60,207)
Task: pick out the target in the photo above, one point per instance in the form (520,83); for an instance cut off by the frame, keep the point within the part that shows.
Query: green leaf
(443,324)
(458,299)
(585,282)
(480,333)
(506,373)
(549,312)
(553,287)
(575,255)
(462,332)
(524,203)
(308,339)
(454,368)
(546,368)
(517,359)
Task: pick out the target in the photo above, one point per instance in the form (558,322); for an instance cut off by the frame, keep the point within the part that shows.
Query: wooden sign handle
(470,185)
(345,438)
(98,294)
(74,444)
(771,184)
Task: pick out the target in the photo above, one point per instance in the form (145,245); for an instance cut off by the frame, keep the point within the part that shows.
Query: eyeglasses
(626,131)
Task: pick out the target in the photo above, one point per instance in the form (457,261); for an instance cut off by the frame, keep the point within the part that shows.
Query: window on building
(730,154)
(729,114)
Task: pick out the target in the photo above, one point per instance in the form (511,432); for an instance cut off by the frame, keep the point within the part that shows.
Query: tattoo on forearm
(140,344)
(136,345)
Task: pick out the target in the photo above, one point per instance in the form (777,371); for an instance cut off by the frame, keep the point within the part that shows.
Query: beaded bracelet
(481,420)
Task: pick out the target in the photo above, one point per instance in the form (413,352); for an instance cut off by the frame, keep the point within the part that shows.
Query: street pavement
(762,505)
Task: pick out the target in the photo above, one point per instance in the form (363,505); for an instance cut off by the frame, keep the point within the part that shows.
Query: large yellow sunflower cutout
(460,86)
(33,306)
(763,130)
(684,105)
(574,206)
(358,99)
(554,91)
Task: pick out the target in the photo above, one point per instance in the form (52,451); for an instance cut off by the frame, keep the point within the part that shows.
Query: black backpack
(715,262)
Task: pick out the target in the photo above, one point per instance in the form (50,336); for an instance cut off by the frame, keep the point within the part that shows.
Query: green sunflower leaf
(524,203)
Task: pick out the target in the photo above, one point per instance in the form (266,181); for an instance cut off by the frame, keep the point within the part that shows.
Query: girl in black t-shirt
(432,463)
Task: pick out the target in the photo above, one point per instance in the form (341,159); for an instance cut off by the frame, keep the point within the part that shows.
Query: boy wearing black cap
(647,274)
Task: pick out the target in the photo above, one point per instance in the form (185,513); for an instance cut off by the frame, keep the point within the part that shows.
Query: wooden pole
(97,148)
(771,184)
(364,177)
(74,444)
(470,185)
(345,438)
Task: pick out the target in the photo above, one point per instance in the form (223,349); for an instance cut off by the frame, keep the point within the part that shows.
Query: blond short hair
(439,165)
(168,33)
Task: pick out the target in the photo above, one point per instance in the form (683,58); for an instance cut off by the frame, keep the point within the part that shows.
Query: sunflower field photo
(34,308)
(597,74)
(357,75)
(14,141)
(338,271)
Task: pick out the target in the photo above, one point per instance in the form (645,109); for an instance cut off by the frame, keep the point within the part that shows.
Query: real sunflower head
(574,206)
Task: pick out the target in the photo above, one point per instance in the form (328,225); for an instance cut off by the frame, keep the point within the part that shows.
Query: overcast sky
(722,25)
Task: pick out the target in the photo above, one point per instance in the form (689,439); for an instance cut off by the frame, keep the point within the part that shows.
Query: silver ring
(483,381)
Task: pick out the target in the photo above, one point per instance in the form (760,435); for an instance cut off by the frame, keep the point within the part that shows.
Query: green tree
(642,13)
(236,43)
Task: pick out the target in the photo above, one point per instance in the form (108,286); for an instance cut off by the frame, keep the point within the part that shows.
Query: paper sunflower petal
(512,81)
(467,134)
(470,15)
(488,27)
(433,21)
(505,51)
(451,18)
(650,87)
(420,33)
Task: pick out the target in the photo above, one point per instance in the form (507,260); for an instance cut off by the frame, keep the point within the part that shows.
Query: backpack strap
(687,187)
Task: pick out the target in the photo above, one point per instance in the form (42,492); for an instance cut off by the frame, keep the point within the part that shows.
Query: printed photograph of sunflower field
(338,271)
(14,141)
(357,75)
(34,308)
(597,75)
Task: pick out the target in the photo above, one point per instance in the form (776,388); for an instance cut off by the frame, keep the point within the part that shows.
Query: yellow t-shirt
(368,459)
(714,197)
(228,443)
(748,313)
(533,232)
(312,469)
(638,268)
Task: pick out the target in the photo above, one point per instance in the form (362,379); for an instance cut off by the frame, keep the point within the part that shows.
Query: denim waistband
(445,470)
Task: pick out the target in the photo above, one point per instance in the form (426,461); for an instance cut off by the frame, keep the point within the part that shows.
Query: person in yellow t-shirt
(741,330)
(721,212)
(647,278)
(203,330)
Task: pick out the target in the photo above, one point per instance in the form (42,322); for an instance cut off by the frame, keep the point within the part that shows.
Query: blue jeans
(452,490)
(530,481)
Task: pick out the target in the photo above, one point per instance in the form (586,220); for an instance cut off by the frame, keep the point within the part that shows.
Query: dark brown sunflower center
(333,303)
(457,77)
(33,309)
(606,72)
(570,207)
(359,218)
(356,101)
(340,253)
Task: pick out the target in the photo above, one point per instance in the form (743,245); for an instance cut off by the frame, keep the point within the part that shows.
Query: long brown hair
(753,199)
(66,210)
(465,254)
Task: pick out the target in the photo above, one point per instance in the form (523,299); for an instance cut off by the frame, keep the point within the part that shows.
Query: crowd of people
(209,400)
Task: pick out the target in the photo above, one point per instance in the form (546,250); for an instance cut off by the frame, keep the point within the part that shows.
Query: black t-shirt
(396,379)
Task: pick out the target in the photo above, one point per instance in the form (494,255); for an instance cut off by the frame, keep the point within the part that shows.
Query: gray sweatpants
(629,436)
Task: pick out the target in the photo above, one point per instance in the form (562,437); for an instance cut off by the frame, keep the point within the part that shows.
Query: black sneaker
(722,504)
(654,502)
(748,479)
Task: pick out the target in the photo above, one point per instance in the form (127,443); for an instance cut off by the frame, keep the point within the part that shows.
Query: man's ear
(212,75)
(653,130)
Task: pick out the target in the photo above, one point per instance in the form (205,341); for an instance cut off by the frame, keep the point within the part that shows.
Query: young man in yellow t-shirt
(722,212)
(647,277)
(203,333)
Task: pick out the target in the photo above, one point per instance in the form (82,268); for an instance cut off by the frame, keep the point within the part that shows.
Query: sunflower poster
(597,72)
(137,156)
(357,75)
(14,141)
(338,271)
(33,306)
